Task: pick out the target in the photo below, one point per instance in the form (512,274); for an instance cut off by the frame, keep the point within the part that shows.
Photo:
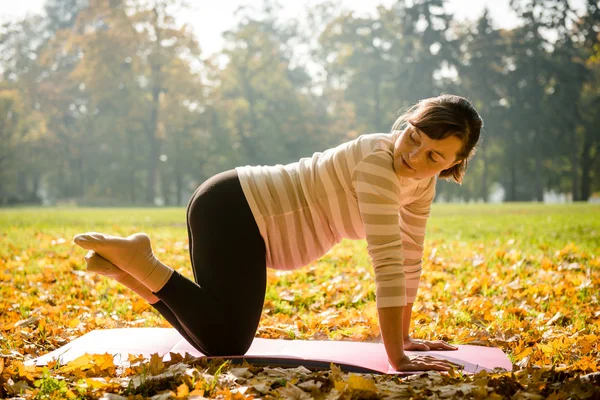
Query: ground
(522,277)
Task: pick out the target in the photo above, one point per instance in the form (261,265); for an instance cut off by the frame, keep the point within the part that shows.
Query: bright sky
(209,21)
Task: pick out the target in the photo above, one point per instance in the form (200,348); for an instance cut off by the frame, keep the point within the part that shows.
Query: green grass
(492,275)
(534,226)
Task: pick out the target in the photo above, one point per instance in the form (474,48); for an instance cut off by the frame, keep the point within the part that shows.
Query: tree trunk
(152,162)
(164,184)
(81,175)
(574,171)
(586,163)
(60,186)
(177,169)
(178,187)
(539,185)
(22,185)
(248,143)
(35,187)
(512,183)
(155,106)
(131,172)
(484,184)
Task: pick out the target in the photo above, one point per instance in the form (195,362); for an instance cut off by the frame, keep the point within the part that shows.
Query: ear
(455,163)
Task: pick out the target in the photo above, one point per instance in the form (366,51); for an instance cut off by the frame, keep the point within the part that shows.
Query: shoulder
(379,143)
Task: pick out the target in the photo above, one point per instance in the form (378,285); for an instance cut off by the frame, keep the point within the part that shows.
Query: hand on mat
(426,345)
(425,363)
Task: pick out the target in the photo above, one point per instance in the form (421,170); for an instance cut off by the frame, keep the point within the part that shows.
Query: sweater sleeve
(413,220)
(377,191)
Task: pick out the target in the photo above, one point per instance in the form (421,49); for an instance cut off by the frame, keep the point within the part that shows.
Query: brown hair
(445,116)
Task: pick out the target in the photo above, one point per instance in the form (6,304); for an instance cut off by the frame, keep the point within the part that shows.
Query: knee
(228,345)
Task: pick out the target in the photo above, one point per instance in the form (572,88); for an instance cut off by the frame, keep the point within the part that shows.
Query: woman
(378,187)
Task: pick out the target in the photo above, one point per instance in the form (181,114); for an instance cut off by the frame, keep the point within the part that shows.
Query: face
(418,156)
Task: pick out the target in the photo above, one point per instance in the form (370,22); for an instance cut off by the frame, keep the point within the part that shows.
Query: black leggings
(219,313)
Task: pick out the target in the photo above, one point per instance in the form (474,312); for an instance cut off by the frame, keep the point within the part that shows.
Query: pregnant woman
(377,187)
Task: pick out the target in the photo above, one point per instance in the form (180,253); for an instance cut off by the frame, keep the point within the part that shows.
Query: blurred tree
(190,143)
(23,154)
(588,38)
(108,75)
(388,61)
(530,56)
(481,71)
(22,132)
(111,102)
(563,95)
(356,56)
(162,44)
(424,50)
(57,97)
(262,97)
(136,66)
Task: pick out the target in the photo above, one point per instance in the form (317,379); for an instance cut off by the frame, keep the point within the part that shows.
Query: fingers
(441,345)
(440,363)
(414,345)
(424,363)
(426,345)
(420,347)
(438,345)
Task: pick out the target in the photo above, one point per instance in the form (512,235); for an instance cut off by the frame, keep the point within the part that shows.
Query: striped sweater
(351,191)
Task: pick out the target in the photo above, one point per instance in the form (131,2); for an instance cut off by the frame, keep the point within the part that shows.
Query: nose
(415,154)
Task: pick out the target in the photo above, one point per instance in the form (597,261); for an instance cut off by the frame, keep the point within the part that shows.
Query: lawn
(522,277)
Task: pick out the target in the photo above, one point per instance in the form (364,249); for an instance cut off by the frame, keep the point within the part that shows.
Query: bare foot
(132,254)
(95,263)
(123,252)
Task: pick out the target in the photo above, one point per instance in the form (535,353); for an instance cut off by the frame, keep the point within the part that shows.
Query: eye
(431,158)
(412,138)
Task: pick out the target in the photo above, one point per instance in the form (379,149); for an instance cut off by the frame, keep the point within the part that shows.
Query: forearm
(392,331)
(407,315)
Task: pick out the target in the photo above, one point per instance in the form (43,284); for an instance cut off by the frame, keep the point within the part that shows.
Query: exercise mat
(350,356)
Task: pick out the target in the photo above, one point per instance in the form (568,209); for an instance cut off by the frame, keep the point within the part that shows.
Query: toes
(96,263)
(83,238)
(78,239)
(89,240)
(89,255)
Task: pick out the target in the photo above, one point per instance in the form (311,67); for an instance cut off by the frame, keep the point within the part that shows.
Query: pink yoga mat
(351,356)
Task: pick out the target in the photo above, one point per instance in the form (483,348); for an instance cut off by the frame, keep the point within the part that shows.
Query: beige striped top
(351,191)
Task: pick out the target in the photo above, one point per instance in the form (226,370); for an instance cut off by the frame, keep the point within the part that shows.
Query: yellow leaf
(105,362)
(140,305)
(547,350)
(546,263)
(336,372)
(182,391)
(96,383)
(524,353)
(24,371)
(356,382)
(134,358)
(74,323)
(370,312)
(340,386)
(95,362)
(156,364)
